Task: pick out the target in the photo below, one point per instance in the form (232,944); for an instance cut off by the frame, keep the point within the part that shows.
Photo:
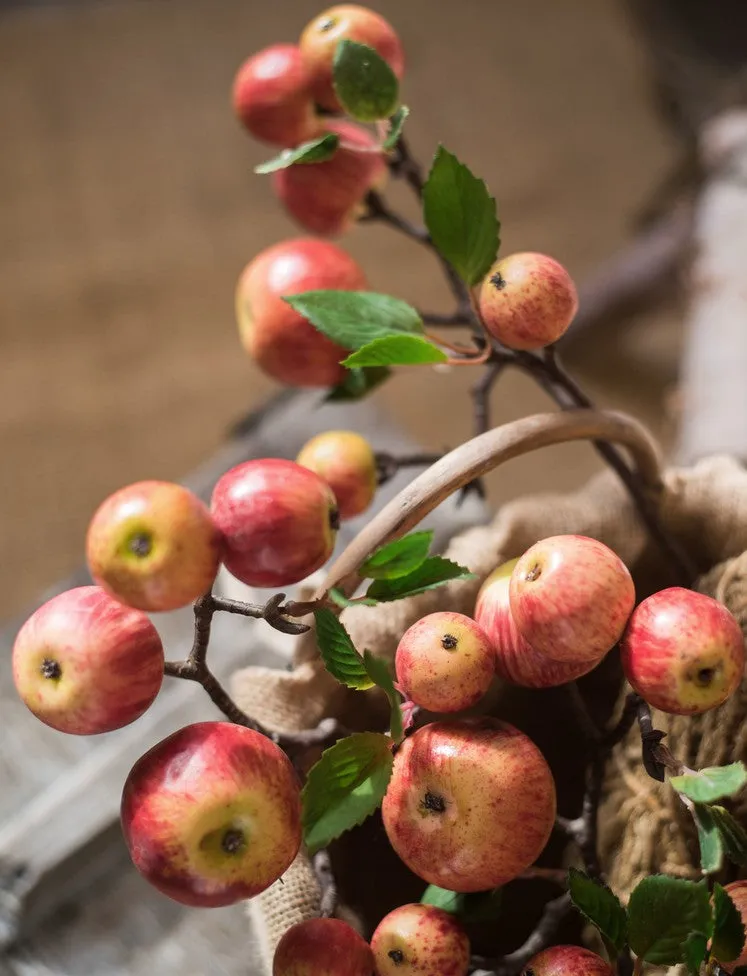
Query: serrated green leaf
(352,319)
(711,784)
(478,906)
(379,673)
(399,350)
(733,835)
(694,952)
(315,151)
(345,787)
(365,84)
(461,217)
(396,125)
(728,928)
(398,558)
(709,838)
(434,571)
(357,384)
(662,913)
(338,597)
(338,651)
(600,906)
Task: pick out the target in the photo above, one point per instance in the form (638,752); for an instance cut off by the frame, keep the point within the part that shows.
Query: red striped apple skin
(471,803)
(683,652)
(322,947)
(737,891)
(84,663)
(420,940)
(212,814)
(567,961)
(279,521)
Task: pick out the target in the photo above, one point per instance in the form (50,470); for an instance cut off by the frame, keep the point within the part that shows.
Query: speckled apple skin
(427,941)
(347,463)
(567,961)
(737,891)
(672,637)
(498,796)
(185,546)
(346,22)
(527,300)
(445,662)
(326,198)
(278,521)
(322,947)
(281,341)
(181,797)
(571,598)
(515,659)
(110,658)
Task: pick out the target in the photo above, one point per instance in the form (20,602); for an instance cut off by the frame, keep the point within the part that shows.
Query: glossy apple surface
(420,940)
(322,947)
(567,961)
(347,463)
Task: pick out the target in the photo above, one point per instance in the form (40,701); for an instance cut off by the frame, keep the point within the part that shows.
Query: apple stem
(322,865)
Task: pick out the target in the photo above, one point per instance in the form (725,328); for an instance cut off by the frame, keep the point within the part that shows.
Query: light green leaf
(354,318)
(365,84)
(662,913)
(478,906)
(398,558)
(378,671)
(399,350)
(338,597)
(315,151)
(338,651)
(358,383)
(396,125)
(728,928)
(711,784)
(434,571)
(709,838)
(600,906)
(733,835)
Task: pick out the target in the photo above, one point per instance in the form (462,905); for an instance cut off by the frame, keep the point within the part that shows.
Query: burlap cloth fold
(643,826)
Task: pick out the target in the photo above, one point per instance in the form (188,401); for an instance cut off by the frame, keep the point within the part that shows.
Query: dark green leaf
(338,597)
(396,124)
(461,217)
(600,906)
(345,786)
(433,572)
(365,84)
(711,784)
(338,651)
(315,151)
(728,928)
(662,913)
(399,350)
(378,671)
(478,906)
(694,952)
(733,835)
(398,558)
(354,318)
(358,383)
(709,838)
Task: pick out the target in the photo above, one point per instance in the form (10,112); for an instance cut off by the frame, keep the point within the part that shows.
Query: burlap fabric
(643,828)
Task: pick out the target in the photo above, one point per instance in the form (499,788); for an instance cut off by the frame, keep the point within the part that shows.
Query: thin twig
(323,869)
(446,318)
(543,934)
(388,465)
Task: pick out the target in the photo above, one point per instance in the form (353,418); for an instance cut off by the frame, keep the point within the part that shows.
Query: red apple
(347,463)
(527,301)
(322,947)
(346,22)
(153,546)
(683,652)
(567,961)
(571,597)
(84,663)
(272,97)
(282,342)
(445,662)
(279,521)
(470,805)
(420,940)
(327,198)
(737,891)
(515,659)
(212,814)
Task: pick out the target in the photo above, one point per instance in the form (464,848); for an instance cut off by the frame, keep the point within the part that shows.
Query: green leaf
(398,558)
(733,835)
(712,783)
(461,217)
(352,319)
(478,906)
(662,913)
(338,651)
(345,787)
(396,125)
(694,952)
(315,151)
(358,383)
(433,572)
(365,84)
(397,350)
(728,928)
(338,597)
(379,673)
(709,838)
(600,906)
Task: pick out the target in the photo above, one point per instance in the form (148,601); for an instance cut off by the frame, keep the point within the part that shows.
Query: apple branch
(542,936)
(322,865)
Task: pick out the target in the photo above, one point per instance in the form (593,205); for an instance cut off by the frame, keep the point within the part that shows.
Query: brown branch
(542,936)
(388,465)
(323,869)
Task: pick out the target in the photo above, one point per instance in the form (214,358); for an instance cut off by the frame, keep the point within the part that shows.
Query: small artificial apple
(279,521)
(571,598)
(281,341)
(322,947)
(470,805)
(83,663)
(445,662)
(212,814)
(515,659)
(737,891)
(683,652)
(345,22)
(527,301)
(567,961)
(327,198)
(272,97)
(347,463)
(153,546)
(420,940)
